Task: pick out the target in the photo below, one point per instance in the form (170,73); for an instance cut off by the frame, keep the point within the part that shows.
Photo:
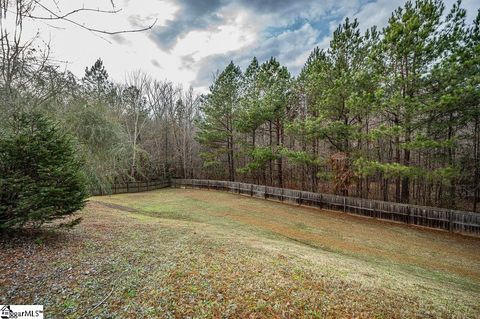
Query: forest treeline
(141,129)
(390,114)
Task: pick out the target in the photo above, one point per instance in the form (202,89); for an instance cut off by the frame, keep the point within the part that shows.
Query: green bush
(41,178)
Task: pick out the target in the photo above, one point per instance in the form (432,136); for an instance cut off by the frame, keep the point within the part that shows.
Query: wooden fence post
(300,198)
(450,221)
(251,190)
(344,205)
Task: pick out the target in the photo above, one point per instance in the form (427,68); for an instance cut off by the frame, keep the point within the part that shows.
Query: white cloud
(202,43)
(228,30)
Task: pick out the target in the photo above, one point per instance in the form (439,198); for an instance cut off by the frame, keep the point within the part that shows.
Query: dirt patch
(115,206)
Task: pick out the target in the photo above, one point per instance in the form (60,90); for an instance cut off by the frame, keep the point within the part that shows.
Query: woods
(390,114)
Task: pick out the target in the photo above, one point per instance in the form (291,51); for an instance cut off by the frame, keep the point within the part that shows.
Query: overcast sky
(194,38)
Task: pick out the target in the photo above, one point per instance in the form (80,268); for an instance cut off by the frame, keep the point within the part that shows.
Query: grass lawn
(182,253)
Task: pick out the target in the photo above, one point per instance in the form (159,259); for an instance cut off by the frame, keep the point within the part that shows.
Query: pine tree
(456,116)
(96,81)
(337,86)
(40,175)
(249,113)
(309,89)
(217,129)
(472,95)
(274,82)
(410,46)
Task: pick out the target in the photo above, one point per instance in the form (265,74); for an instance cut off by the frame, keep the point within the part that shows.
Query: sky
(192,39)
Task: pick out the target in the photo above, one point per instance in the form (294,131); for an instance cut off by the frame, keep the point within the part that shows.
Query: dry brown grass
(193,253)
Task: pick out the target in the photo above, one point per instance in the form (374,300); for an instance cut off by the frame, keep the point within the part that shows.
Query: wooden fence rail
(432,217)
(135,187)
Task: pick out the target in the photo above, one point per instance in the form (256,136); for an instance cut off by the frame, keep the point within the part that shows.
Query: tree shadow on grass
(27,237)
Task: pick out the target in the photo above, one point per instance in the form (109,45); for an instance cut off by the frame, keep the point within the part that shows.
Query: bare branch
(24,11)
(59,17)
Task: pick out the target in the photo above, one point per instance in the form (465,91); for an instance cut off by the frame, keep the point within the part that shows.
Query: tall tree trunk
(476,155)
(270,143)
(134,153)
(230,160)
(385,189)
(451,159)
(184,150)
(279,156)
(304,168)
(315,168)
(406,162)
(232,164)
(397,159)
(257,178)
(166,165)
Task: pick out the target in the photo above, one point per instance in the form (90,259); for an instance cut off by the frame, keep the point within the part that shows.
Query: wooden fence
(432,217)
(135,187)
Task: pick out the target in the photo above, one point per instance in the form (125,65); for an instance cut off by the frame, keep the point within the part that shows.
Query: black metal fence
(432,217)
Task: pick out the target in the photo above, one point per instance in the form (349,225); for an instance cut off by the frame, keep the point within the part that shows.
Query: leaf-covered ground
(177,253)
